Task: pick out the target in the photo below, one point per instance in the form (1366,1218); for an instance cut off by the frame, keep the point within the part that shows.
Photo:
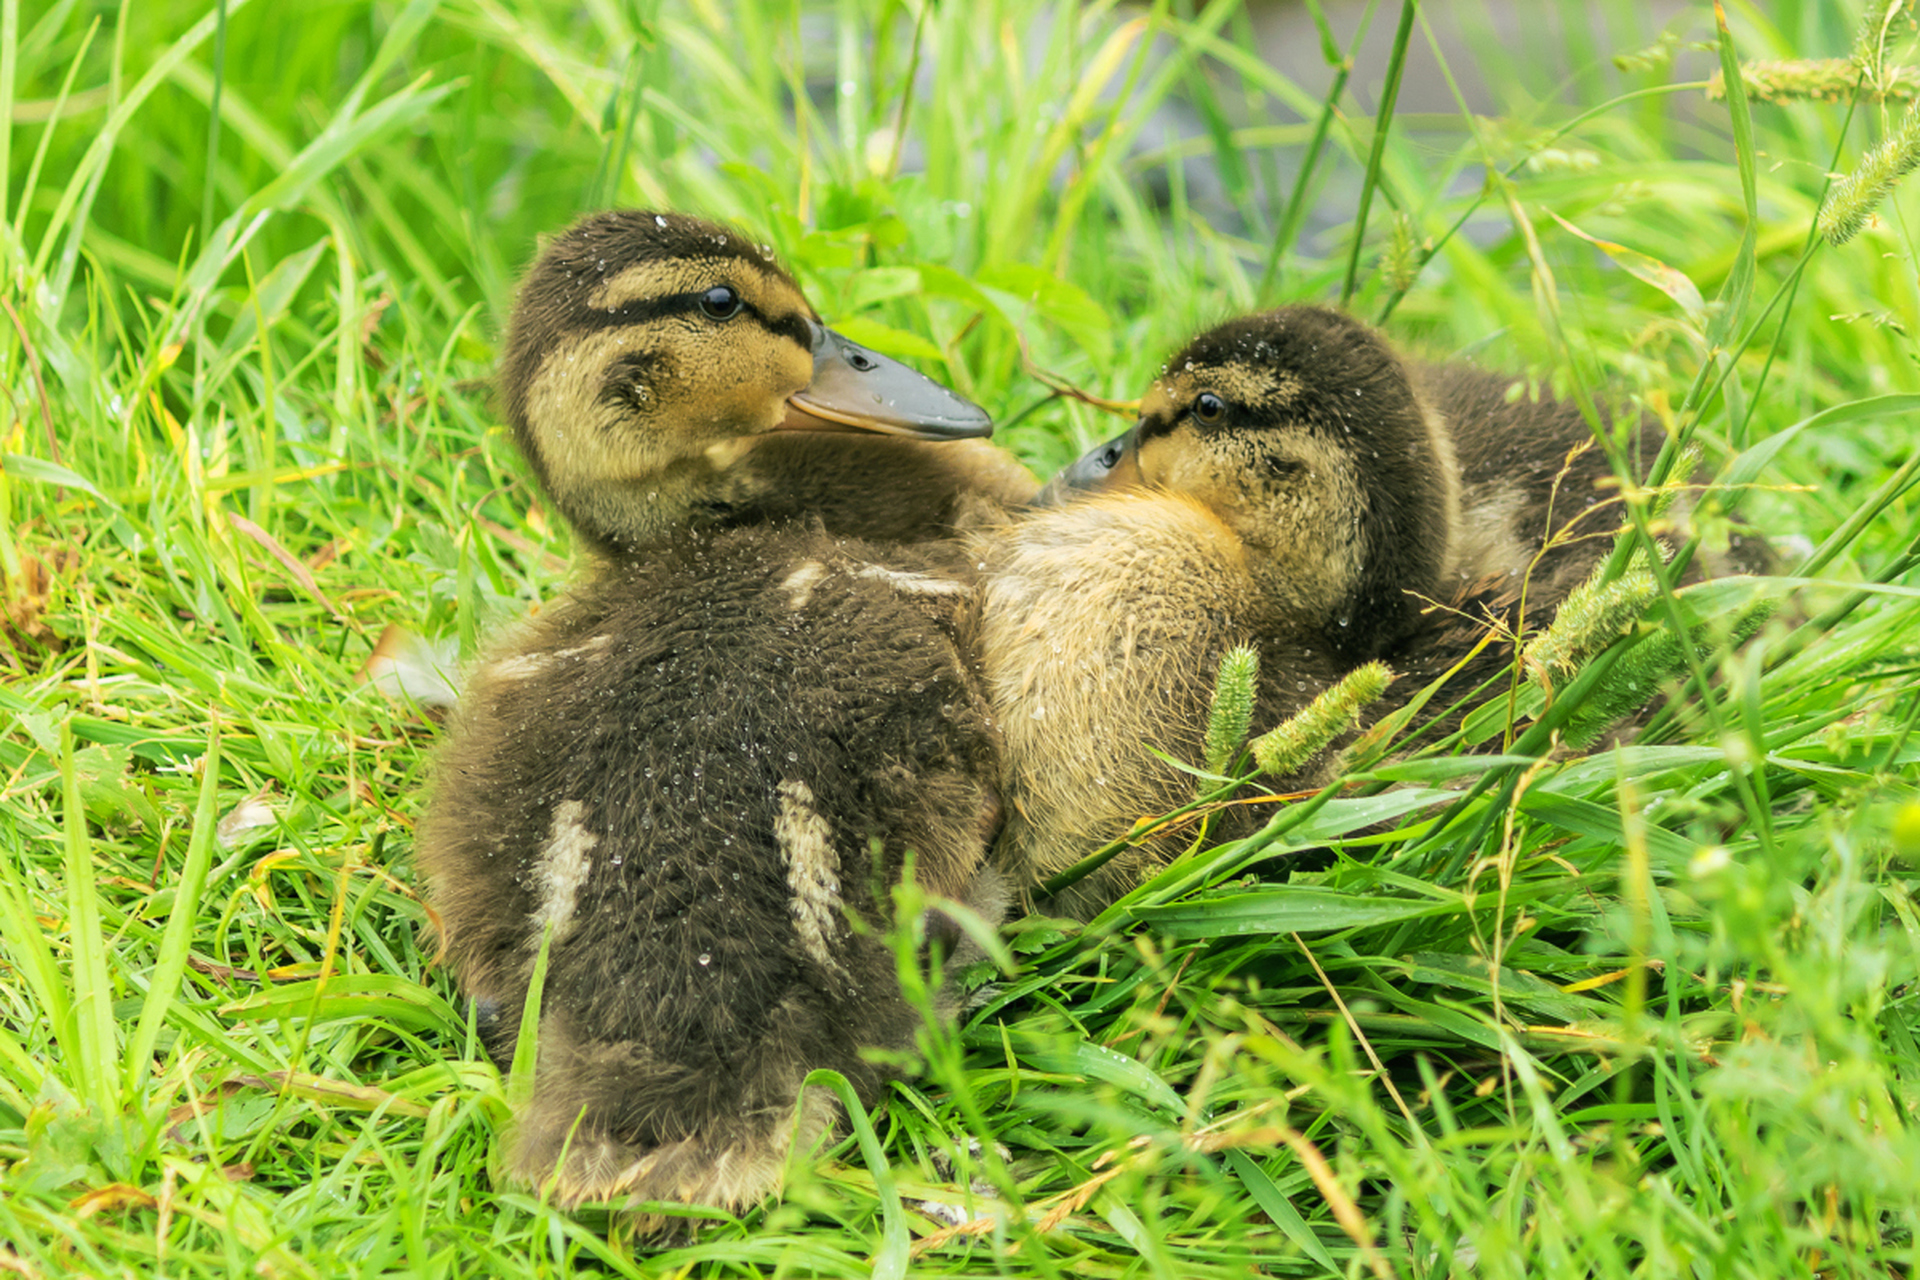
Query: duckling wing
(1537,517)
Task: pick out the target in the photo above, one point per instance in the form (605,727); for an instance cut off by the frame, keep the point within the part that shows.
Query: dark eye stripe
(647,310)
(1156,426)
(790,326)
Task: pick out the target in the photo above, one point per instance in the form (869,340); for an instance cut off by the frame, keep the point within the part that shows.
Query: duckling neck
(627,517)
(880,488)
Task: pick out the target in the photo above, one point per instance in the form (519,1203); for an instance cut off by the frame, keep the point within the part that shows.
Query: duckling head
(649,353)
(1302,432)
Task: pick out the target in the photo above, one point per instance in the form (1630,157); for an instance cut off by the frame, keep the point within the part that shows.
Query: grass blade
(170,964)
(1382,124)
(95,1051)
(76,196)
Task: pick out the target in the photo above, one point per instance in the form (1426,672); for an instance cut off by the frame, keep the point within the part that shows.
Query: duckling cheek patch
(563,868)
(806,844)
(588,432)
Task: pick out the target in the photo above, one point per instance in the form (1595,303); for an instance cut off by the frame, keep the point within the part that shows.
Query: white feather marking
(915,583)
(806,842)
(522,665)
(1488,544)
(800,583)
(563,868)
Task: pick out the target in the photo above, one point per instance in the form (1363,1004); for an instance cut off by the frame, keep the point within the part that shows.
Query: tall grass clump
(1495,1004)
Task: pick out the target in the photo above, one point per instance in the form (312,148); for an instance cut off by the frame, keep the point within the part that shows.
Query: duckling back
(699,777)
(876,488)
(1529,469)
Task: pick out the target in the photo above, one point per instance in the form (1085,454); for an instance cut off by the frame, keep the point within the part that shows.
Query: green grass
(1641,1012)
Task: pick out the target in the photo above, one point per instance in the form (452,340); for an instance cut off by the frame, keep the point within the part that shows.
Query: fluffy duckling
(697,779)
(1419,486)
(663,373)
(1286,487)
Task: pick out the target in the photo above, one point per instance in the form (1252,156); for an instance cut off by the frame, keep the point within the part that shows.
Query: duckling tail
(611,1121)
(730,1170)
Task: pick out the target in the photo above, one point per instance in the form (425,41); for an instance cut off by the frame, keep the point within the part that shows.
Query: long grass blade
(170,963)
(76,197)
(1382,125)
(94,1064)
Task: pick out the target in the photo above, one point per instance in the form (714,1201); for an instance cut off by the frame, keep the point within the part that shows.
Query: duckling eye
(1209,408)
(721,302)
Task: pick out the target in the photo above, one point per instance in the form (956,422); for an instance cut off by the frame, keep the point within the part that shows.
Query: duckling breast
(1104,624)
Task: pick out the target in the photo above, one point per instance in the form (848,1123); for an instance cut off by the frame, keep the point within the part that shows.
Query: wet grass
(1636,1012)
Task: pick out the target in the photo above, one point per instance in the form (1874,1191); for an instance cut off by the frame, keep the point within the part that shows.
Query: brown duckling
(1285,487)
(640,376)
(1429,507)
(698,778)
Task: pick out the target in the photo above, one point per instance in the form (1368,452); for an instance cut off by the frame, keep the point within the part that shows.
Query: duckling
(639,375)
(1479,504)
(1285,487)
(697,779)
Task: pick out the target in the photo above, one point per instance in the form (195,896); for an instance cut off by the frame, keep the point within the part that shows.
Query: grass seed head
(1852,200)
(1232,712)
(1285,749)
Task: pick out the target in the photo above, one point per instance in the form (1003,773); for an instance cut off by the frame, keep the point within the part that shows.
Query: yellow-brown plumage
(1341,506)
(643,417)
(1286,488)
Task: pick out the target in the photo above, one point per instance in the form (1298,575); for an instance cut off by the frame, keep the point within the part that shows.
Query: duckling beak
(861,390)
(1102,469)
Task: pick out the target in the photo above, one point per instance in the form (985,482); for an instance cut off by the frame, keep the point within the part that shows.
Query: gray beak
(854,388)
(1105,467)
